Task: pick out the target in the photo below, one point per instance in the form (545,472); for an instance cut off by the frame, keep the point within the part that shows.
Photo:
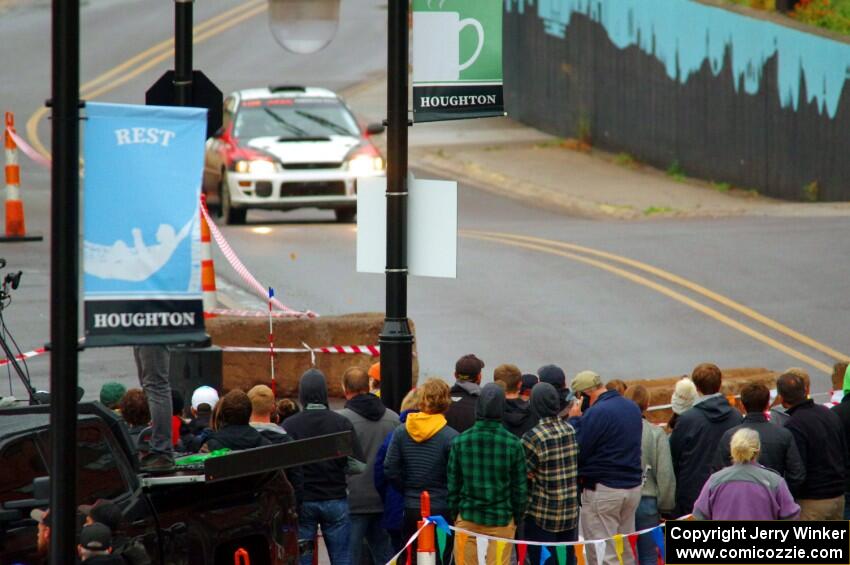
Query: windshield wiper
(293,128)
(341,130)
(304,138)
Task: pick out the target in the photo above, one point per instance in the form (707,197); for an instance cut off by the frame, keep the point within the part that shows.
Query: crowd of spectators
(528,456)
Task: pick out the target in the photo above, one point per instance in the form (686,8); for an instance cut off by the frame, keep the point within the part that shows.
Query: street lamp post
(64,276)
(183,52)
(396,340)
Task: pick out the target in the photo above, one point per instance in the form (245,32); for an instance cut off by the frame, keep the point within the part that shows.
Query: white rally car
(288,147)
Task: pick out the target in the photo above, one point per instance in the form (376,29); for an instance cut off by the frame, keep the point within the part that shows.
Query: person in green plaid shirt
(487,479)
(551,455)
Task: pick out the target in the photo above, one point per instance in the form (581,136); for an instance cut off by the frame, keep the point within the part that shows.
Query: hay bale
(244,370)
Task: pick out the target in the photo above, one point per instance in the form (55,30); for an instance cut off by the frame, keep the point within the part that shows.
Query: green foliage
(833,15)
(584,131)
(675,171)
(811,191)
(653,210)
(721,186)
(625,160)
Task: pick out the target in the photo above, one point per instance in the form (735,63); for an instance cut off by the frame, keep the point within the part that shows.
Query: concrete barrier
(244,370)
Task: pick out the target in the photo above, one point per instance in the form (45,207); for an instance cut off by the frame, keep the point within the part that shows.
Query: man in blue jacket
(609,471)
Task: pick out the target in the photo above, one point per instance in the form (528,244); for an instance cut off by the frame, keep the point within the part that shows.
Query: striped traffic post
(426,551)
(15,225)
(207,266)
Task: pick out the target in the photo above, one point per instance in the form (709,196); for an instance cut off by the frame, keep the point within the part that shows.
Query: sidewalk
(505,157)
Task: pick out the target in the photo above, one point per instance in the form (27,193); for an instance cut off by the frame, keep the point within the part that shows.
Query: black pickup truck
(199,516)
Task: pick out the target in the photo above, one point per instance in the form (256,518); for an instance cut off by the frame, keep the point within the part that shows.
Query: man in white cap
(204,399)
(609,470)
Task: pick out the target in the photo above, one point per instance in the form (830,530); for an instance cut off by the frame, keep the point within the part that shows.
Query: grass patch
(675,172)
(557,142)
(584,131)
(811,191)
(654,210)
(625,160)
(721,186)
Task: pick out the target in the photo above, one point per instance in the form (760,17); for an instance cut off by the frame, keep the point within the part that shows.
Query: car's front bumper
(327,189)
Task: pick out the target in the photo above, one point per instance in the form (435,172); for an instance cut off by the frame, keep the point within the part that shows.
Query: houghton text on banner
(457,59)
(141,249)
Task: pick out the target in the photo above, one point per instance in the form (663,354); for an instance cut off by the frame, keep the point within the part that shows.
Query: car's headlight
(256,167)
(365,164)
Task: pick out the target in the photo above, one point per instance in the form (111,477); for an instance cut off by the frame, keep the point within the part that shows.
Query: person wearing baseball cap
(95,545)
(204,399)
(554,375)
(609,438)
(375,379)
(465,393)
(528,382)
(43,536)
(109,514)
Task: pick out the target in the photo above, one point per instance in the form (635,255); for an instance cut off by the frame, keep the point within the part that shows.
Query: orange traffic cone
(207,266)
(15,227)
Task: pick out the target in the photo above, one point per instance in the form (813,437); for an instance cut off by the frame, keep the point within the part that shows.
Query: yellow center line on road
(158,53)
(666,291)
(681,281)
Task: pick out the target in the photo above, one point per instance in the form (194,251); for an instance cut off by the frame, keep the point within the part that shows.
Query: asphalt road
(527,301)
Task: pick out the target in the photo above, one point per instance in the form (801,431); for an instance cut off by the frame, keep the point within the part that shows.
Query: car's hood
(333,149)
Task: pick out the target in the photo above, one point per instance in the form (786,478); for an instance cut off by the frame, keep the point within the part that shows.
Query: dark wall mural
(727,97)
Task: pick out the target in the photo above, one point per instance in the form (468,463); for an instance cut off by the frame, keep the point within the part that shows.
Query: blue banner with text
(141,235)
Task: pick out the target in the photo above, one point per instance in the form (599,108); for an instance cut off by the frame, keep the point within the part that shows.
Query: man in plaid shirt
(487,479)
(551,455)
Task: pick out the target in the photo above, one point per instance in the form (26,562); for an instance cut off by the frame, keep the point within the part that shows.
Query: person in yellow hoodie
(418,456)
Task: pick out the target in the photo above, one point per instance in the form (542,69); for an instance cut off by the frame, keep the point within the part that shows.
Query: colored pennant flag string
(561,552)
(481,549)
(633,538)
(441,541)
(521,551)
(460,543)
(579,549)
(500,551)
(618,547)
(600,551)
(545,554)
(658,538)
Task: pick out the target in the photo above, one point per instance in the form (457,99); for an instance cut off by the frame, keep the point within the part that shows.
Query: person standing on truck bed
(325,489)
(152,364)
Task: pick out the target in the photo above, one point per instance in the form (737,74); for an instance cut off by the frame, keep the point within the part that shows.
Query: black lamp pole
(396,340)
(183,18)
(64,276)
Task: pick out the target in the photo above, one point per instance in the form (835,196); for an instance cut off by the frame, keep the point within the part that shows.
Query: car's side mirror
(41,488)
(375,128)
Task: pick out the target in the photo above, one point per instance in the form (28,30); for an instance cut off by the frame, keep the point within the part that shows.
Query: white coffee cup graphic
(436,45)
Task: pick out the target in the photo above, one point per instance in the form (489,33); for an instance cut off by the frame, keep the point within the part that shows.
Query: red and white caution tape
(243,272)
(371,350)
(254,313)
(29,150)
(24,356)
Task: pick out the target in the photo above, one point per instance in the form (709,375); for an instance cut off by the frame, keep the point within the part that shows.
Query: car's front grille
(310,166)
(264,188)
(331,188)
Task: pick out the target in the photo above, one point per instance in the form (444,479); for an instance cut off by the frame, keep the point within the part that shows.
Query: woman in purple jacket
(746,490)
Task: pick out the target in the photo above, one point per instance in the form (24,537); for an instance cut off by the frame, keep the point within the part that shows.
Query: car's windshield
(294,118)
